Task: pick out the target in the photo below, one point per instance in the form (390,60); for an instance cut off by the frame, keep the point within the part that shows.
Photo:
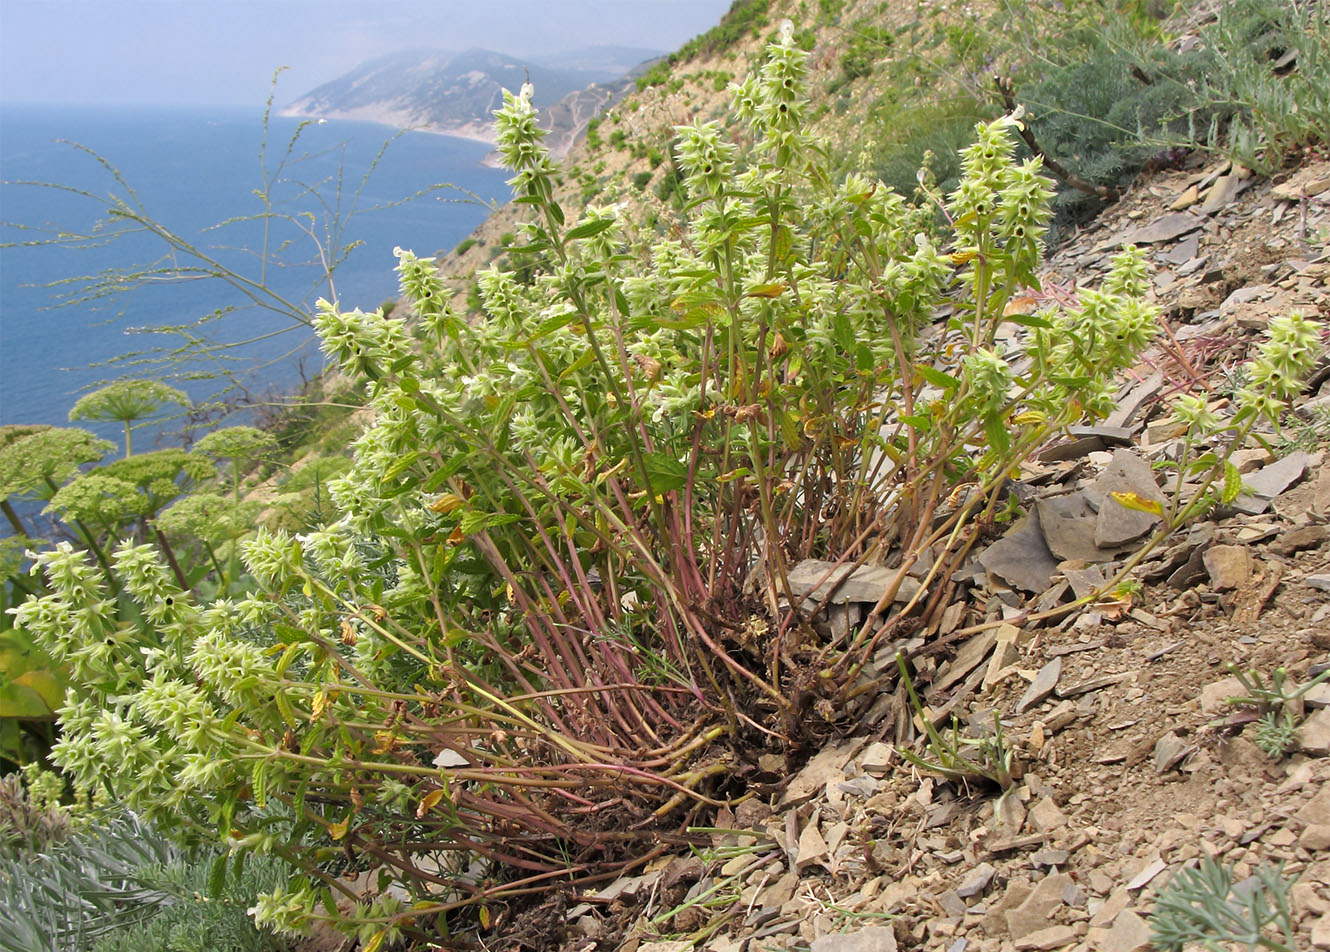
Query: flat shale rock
(1041,687)
(1314,734)
(1118,525)
(872,939)
(1038,907)
(1164,228)
(1309,181)
(1129,933)
(977,881)
(867,583)
(1069,523)
(1269,481)
(1021,557)
(1045,940)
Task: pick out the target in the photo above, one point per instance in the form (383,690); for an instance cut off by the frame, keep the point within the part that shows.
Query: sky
(224,52)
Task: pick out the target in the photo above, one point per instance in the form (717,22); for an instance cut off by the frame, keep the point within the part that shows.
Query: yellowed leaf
(428,802)
(446,504)
(338,830)
(1139,503)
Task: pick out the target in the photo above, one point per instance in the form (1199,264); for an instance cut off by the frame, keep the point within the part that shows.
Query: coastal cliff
(457,93)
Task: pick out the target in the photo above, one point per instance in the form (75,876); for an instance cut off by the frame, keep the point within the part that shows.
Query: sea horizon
(192,167)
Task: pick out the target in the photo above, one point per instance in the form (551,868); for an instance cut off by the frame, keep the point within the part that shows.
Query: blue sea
(67,317)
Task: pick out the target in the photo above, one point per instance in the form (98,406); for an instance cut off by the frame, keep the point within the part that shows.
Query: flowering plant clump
(554,613)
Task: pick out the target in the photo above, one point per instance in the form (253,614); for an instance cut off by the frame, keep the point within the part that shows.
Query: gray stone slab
(868,583)
(1068,524)
(1164,228)
(1182,252)
(1042,686)
(1130,402)
(1116,524)
(1269,481)
(1021,557)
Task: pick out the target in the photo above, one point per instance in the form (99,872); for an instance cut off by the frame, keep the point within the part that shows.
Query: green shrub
(555,597)
(867,43)
(641,180)
(657,75)
(744,18)
(465,245)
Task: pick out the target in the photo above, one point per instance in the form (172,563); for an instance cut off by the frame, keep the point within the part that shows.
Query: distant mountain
(457,93)
(612,62)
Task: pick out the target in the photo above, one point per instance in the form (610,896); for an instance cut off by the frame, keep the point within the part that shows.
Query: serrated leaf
(400,466)
(284,708)
(447,503)
(259,783)
(773,290)
(1232,483)
(289,655)
(1130,500)
(217,874)
(665,472)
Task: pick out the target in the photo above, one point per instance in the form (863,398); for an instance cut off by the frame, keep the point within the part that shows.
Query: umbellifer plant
(553,622)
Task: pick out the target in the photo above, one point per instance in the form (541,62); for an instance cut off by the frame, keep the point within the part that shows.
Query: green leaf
(1232,483)
(473,521)
(401,363)
(1029,320)
(285,709)
(587,358)
(259,783)
(590,229)
(550,325)
(666,473)
(937,377)
(217,875)
(843,331)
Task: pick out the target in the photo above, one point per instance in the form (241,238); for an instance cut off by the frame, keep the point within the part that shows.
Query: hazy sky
(224,51)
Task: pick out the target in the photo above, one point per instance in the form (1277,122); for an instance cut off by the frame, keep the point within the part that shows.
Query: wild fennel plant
(1202,904)
(554,601)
